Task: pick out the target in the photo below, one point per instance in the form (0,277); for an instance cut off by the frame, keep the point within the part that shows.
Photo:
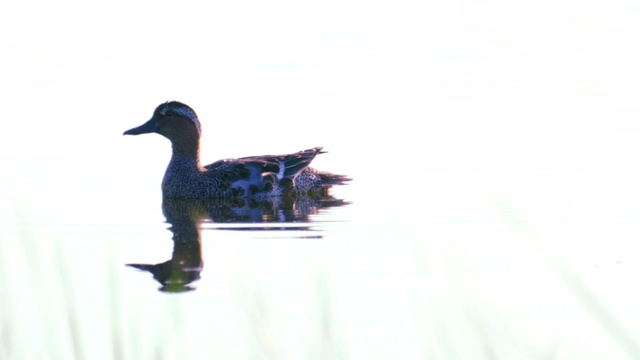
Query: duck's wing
(284,166)
(260,169)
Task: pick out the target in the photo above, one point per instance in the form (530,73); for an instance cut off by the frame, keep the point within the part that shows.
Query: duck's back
(261,175)
(248,177)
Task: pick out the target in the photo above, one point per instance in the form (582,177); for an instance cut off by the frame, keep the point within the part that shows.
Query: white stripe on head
(180,109)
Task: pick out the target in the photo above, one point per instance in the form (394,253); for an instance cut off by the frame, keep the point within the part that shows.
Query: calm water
(493,213)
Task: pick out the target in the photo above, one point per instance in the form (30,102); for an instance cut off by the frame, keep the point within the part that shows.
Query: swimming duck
(254,176)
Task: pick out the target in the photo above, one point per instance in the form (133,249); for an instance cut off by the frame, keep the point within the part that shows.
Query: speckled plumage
(256,177)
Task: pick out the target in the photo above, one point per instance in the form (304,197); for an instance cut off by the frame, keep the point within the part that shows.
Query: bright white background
(482,136)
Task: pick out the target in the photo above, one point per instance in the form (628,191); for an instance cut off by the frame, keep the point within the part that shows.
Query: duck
(257,177)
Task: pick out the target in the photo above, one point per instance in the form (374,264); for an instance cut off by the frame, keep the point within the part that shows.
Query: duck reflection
(187,215)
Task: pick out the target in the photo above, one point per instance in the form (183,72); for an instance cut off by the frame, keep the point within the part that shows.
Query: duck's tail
(312,181)
(328,179)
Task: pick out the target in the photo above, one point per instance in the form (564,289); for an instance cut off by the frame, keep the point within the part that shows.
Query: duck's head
(173,120)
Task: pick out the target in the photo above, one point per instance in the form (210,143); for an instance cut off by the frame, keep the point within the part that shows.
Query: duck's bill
(148,127)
